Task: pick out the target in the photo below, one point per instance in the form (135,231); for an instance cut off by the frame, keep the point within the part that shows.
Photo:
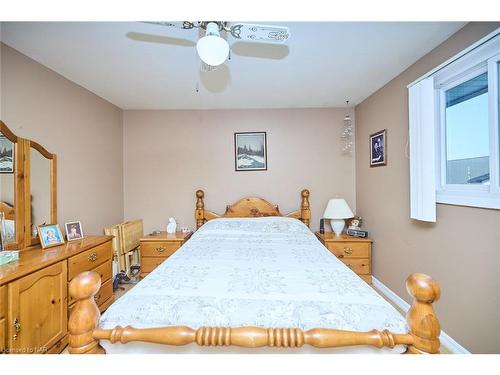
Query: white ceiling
(139,66)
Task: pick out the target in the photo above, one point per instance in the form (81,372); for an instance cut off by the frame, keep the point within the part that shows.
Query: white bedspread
(267,272)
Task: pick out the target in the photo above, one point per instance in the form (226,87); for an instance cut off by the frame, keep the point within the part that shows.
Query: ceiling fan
(214,49)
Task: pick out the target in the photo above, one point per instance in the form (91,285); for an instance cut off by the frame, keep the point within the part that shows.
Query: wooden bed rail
(84,334)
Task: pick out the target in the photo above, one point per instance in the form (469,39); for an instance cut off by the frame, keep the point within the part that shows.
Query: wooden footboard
(423,335)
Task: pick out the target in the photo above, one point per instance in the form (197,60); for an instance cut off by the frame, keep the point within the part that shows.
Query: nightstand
(354,252)
(155,249)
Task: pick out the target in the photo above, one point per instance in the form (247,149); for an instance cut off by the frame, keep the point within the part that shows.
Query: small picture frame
(378,149)
(74,230)
(50,235)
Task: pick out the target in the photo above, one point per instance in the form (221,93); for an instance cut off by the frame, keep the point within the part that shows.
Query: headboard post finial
(85,315)
(305,211)
(421,318)
(200,208)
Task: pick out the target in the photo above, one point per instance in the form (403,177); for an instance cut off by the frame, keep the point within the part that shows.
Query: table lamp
(337,210)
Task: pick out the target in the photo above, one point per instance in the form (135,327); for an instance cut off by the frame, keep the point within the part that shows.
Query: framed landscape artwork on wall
(250,151)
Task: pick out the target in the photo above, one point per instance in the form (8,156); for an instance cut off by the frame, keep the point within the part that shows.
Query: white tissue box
(8,256)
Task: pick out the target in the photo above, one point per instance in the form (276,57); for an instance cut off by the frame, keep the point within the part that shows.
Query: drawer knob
(17,328)
(92,257)
(347,250)
(97,297)
(160,249)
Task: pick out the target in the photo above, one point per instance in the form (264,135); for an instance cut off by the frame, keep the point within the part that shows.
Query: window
(467,147)
(467,132)
(454,131)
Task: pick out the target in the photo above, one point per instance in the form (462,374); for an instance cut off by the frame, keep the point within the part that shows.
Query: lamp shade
(337,208)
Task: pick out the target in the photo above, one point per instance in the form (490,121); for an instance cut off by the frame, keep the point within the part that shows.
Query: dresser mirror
(40,190)
(10,155)
(28,194)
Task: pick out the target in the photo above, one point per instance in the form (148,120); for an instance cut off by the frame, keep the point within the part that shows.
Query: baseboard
(446,341)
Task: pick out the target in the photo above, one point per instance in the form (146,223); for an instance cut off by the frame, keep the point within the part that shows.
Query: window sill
(469,199)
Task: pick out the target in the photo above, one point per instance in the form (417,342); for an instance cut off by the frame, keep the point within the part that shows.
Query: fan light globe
(212,49)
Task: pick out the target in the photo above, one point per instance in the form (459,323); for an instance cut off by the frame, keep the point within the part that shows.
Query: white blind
(422,150)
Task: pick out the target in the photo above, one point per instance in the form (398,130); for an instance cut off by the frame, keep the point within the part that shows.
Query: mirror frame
(19,187)
(28,239)
(22,188)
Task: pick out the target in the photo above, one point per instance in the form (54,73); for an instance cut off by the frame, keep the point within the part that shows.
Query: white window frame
(483,59)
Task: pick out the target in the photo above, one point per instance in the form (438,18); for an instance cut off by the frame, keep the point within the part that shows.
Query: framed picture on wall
(378,149)
(6,155)
(250,151)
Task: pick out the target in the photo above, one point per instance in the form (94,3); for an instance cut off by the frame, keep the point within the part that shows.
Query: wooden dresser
(34,300)
(355,252)
(155,249)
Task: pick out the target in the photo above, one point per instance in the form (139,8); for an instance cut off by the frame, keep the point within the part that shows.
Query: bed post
(85,315)
(200,208)
(421,318)
(305,211)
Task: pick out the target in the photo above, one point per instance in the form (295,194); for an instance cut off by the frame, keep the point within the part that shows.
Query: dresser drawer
(349,249)
(358,265)
(89,259)
(150,263)
(159,249)
(104,271)
(3,301)
(105,293)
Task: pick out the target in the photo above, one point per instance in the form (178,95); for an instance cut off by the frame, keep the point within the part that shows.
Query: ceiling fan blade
(186,25)
(150,38)
(260,50)
(260,33)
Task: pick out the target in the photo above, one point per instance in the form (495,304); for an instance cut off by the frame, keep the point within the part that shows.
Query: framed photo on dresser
(50,235)
(74,230)
(250,151)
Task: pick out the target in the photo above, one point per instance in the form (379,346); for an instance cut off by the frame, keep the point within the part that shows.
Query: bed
(239,279)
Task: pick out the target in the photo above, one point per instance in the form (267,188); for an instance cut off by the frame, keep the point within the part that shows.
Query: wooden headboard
(8,210)
(251,207)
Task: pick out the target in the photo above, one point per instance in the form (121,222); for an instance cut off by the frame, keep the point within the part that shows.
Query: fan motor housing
(222,25)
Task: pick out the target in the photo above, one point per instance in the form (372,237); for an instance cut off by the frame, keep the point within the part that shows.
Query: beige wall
(461,250)
(168,155)
(82,129)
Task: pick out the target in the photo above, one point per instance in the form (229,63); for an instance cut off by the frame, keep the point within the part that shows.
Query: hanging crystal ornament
(346,137)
